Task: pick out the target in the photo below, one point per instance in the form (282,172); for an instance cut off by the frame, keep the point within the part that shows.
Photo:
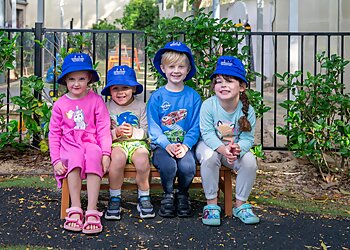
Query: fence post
(38,66)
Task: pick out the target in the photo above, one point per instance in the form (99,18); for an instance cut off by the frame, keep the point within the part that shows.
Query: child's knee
(249,161)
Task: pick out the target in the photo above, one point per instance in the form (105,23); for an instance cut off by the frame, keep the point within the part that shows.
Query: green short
(130,147)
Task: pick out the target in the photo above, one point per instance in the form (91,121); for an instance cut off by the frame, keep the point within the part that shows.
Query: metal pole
(216,9)
(38,65)
(62,13)
(2,14)
(41,11)
(14,14)
(81,14)
(97,14)
(260,27)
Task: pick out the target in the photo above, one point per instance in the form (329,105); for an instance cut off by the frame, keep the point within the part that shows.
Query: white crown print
(226,63)
(78,59)
(175,44)
(119,72)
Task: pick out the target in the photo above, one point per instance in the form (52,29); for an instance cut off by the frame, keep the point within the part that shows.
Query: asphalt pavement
(30,217)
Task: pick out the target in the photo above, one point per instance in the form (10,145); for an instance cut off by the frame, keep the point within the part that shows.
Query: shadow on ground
(30,217)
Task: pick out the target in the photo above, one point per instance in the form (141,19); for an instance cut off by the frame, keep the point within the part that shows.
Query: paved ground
(30,217)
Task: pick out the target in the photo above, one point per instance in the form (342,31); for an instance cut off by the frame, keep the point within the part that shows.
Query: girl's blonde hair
(243,122)
(170,57)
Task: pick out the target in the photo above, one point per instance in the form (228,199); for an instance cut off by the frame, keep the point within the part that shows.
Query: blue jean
(169,167)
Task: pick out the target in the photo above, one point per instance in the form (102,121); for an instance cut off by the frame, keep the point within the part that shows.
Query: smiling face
(175,67)
(227,88)
(77,83)
(122,94)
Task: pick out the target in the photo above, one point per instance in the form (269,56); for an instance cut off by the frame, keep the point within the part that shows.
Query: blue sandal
(211,215)
(245,214)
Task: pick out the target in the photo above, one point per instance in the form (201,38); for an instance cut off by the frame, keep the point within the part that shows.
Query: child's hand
(235,149)
(126,130)
(225,150)
(172,149)
(181,150)
(106,160)
(60,168)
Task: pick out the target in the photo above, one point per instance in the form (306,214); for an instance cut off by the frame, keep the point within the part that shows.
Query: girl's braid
(243,122)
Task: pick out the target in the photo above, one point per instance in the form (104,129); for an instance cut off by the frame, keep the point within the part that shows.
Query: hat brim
(228,73)
(106,90)
(158,60)
(71,69)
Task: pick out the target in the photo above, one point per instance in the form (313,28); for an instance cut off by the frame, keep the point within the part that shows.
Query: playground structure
(125,58)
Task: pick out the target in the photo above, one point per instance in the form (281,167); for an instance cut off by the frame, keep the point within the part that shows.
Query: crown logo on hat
(119,72)
(175,44)
(226,63)
(78,59)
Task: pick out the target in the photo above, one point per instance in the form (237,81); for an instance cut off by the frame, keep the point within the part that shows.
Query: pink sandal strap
(71,211)
(97,215)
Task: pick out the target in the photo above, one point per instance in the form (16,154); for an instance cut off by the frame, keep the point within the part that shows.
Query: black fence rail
(271,53)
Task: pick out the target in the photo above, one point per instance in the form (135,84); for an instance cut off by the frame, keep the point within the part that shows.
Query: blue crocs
(211,215)
(245,214)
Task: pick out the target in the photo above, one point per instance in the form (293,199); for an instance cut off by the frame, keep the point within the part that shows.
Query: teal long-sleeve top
(173,117)
(218,127)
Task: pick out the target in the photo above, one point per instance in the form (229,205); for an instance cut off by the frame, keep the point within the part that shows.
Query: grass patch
(25,181)
(324,208)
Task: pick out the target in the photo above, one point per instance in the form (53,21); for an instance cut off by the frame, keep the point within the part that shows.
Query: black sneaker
(113,209)
(183,206)
(145,207)
(167,208)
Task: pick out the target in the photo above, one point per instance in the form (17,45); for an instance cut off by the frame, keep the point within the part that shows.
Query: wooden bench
(225,185)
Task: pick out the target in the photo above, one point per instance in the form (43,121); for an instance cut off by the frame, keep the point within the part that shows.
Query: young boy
(129,132)
(173,127)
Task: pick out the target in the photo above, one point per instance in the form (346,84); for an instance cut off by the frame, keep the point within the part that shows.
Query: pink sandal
(78,222)
(97,215)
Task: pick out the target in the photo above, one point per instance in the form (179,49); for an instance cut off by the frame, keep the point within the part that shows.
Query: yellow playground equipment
(125,58)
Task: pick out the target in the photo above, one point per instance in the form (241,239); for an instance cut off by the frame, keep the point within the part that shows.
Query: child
(227,124)
(173,127)
(80,141)
(129,132)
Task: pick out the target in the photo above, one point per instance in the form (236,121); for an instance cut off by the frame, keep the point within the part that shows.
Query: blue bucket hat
(77,62)
(121,75)
(177,47)
(231,66)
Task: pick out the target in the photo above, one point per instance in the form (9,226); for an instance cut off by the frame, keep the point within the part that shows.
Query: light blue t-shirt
(218,127)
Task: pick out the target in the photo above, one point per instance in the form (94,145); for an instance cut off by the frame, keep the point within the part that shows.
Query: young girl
(129,132)
(173,127)
(80,141)
(227,124)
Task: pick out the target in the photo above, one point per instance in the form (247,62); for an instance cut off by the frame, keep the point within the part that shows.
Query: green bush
(317,123)
(8,131)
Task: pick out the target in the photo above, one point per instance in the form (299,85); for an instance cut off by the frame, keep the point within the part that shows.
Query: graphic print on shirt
(78,117)
(176,132)
(126,117)
(226,130)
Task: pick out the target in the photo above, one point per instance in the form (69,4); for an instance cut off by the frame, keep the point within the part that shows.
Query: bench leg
(64,198)
(228,193)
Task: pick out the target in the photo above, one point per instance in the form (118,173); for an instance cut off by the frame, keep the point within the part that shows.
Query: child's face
(176,72)
(77,83)
(122,94)
(227,89)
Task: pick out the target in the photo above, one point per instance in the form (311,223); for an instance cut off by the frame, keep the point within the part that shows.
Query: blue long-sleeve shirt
(173,117)
(219,127)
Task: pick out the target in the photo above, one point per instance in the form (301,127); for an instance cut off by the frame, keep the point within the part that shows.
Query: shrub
(317,123)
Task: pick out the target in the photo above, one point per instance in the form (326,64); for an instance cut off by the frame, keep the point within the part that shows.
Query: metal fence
(271,53)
